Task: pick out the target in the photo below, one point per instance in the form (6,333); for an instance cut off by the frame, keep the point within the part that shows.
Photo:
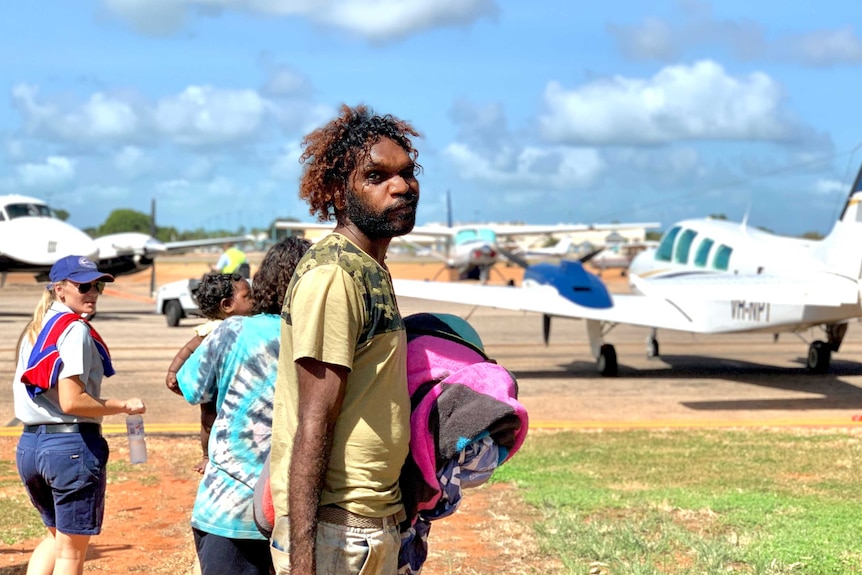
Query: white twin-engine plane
(706,276)
(32,238)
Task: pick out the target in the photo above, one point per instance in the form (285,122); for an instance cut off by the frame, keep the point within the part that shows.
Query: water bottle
(137,441)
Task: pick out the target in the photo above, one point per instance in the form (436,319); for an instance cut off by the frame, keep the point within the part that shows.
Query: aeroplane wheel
(173,312)
(607,362)
(651,347)
(819,356)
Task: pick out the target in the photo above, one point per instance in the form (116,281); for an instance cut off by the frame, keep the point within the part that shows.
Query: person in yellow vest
(232,260)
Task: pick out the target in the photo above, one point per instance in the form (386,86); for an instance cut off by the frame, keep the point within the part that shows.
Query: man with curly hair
(341,409)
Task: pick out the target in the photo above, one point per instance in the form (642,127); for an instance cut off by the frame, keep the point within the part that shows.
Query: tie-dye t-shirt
(236,364)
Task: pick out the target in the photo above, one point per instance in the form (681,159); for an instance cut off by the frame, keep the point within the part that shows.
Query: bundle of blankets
(465,422)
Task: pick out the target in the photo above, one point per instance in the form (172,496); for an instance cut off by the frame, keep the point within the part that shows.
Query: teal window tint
(665,248)
(722,257)
(683,246)
(465,236)
(702,253)
(487,235)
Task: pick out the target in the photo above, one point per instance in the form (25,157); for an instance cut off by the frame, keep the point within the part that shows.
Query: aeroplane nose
(636,265)
(61,239)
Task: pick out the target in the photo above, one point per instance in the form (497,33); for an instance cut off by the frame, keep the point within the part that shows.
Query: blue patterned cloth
(236,365)
(473,466)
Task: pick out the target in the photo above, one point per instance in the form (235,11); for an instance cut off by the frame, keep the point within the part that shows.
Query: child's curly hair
(333,152)
(214,288)
(273,276)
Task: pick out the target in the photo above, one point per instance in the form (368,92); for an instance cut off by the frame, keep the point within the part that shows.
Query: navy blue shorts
(65,477)
(219,554)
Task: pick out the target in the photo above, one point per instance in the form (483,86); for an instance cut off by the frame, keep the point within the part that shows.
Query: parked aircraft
(613,255)
(32,238)
(705,276)
(474,249)
(619,256)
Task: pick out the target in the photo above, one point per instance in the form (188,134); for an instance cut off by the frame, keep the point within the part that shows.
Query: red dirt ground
(146,526)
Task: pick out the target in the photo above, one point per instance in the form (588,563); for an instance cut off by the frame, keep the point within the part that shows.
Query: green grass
(696,502)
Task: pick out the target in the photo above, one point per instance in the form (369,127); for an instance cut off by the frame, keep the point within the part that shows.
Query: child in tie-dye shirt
(219,296)
(235,364)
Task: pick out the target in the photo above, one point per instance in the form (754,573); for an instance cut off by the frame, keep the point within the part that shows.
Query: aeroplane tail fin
(842,248)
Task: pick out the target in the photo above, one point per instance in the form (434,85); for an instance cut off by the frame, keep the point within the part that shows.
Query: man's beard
(385,224)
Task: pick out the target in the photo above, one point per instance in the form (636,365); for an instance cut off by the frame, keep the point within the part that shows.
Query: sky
(543,112)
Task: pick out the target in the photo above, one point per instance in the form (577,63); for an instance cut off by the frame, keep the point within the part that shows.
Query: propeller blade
(546,328)
(590,255)
(515,259)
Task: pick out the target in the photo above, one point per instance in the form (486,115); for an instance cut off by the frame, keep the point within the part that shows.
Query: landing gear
(819,355)
(607,361)
(651,345)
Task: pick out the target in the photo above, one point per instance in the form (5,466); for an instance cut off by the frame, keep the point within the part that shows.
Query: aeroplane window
(702,254)
(17,211)
(683,246)
(464,236)
(487,235)
(665,248)
(722,257)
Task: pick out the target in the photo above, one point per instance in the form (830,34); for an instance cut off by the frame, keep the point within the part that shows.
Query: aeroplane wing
(199,243)
(718,304)
(545,299)
(814,289)
(527,230)
(286,225)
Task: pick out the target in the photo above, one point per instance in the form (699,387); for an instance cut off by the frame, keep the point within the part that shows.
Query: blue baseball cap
(79,269)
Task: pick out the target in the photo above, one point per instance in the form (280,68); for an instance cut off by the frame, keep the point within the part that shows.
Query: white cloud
(387,19)
(372,19)
(207,115)
(824,47)
(286,166)
(653,39)
(698,102)
(827,187)
(154,17)
(131,161)
(199,115)
(285,81)
(696,27)
(101,117)
(528,168)
(200,168)
(53,173)
(15,149)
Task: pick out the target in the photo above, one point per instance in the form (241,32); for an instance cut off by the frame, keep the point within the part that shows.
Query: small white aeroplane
(32,238)
(706,276)
(612,255)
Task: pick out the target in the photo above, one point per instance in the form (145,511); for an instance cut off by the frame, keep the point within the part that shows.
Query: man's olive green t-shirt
(340,309)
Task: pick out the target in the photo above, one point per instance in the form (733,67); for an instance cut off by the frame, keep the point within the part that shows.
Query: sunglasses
(85,288)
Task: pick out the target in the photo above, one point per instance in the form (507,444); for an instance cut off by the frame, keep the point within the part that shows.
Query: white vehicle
(177,300)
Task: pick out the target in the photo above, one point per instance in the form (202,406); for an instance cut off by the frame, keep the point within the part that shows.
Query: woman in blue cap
(62,456)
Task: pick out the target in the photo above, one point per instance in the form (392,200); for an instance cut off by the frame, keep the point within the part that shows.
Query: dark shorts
(65,476)
(219,555)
